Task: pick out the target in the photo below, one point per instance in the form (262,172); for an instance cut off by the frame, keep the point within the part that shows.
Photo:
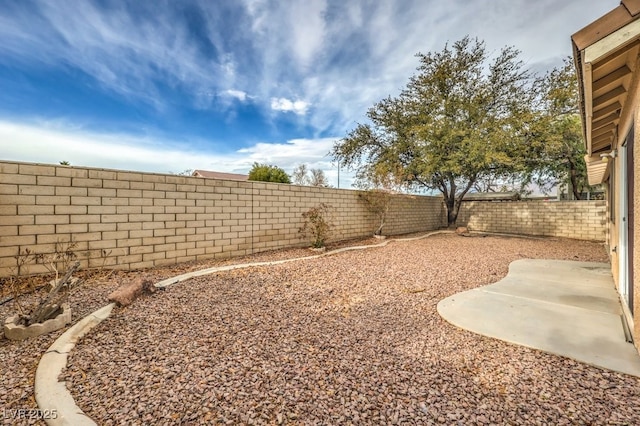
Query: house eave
(605,56)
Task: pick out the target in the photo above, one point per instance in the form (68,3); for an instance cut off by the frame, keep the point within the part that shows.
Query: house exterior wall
(636,229)
(582,220)
(629,117)
(131,220)
(601,49)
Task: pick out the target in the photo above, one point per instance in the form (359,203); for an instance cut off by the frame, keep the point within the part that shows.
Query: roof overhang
(597,168)
(605,54)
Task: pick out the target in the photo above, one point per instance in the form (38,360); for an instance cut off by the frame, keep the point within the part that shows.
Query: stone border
(54,397)
(12,331)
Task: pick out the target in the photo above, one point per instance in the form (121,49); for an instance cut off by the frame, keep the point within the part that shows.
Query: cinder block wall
(582,220)
(132,220)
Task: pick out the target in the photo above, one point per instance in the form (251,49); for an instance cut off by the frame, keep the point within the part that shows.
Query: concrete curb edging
(54,397)
(189,275)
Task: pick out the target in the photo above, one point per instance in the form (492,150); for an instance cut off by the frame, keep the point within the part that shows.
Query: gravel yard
(19,360)
(350,338)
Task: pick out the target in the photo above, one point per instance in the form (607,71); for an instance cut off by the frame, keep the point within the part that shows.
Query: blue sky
(173,85)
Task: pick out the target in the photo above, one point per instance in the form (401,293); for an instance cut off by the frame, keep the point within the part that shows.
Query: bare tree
(302,175)
(318,178)
(299,175)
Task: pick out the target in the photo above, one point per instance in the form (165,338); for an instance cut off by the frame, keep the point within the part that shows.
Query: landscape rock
(126,294)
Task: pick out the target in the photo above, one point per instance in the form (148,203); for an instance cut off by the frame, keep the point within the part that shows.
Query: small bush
(378,202)
(317,224)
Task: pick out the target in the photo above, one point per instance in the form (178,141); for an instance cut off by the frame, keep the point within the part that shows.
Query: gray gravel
(351,338)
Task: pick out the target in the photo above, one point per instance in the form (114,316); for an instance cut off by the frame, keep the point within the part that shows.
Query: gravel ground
(351,338)
(19,360)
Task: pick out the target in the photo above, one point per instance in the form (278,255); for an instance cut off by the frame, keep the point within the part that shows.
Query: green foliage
(377,188)
(459,120)
(317,224)
(561,148)
(378,202)
(267,173)
(65,163)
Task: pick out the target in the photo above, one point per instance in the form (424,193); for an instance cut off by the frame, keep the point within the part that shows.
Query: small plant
(378,202)
(23,259)
(62,263)
(60,260)
(317,224)
(100,271)
(51,305)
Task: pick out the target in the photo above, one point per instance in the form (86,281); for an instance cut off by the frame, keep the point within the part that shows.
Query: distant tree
(460,119)
(318,178)
(186,172)
(65,163)
(267,173)
(299,175)
(561,143)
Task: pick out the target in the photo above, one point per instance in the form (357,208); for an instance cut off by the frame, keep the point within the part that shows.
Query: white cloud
(52,142)
(307,29)
(236,94)
(283,104)
(338,56)
(125,54)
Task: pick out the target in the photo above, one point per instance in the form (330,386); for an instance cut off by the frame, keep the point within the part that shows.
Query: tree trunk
(574,181)
(453,203)
(452,211)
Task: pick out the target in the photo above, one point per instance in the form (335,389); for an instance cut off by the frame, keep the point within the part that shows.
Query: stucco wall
(133,220)
(582,220)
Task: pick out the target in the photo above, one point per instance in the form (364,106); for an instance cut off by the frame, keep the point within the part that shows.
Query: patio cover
(605,54)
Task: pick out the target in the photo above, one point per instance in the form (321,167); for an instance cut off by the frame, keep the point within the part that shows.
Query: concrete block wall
(133,220)
(582,220)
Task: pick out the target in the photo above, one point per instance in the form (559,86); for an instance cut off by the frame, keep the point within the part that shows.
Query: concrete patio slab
(565,308)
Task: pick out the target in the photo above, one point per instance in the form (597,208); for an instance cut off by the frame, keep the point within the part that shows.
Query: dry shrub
(317,224)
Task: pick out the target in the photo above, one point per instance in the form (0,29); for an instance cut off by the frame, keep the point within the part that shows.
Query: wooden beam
(611,78)
(633,6)
(603,147)
(601,138)
(588,105)
(601,131)
(601,27)
(616,106)
(614,56)
(611,94)
(609,118)
(613,41)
